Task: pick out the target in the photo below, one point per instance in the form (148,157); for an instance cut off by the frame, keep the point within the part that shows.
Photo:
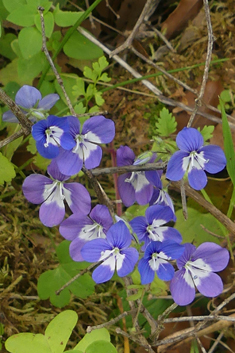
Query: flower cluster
(94,235)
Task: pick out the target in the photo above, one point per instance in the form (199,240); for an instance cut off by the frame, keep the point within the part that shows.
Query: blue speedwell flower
(96,130)
(114,251)
(80,229)
(52,193)
(135,186)
(50,134)
(31,102)
(156,260)
(195,159)
(196,269)
(152,226)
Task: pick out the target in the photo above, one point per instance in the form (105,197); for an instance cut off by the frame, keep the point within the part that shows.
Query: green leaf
(79,47)
(79,108)
(23,16)
(68,80)
(66,18)
(89,73)
(31,147)
(98,99)
(101,347)
(11,147)
(5,46)
(49,23)
(3,11)
(166,124)
(228,144)
(54,341)
(100,65)
(79,89)
(93,336)
(41,162)
(59,330)
(28,69)
(30,42)
(10,73)
(191,229)
(50,281)
(225,96)
(207,132)
(7,171)
(13,4)
(104,77)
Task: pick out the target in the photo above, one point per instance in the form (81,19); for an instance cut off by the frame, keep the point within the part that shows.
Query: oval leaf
(30,42)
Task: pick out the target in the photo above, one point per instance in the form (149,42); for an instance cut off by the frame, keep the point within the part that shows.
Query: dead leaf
(178,19)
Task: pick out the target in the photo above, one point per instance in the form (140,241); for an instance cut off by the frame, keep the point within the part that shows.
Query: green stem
(68,34)
(231,204)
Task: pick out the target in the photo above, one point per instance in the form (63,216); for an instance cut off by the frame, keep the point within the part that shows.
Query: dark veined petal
(75,249)
(74,125)
(38,130)
(146,273)
(216,158)
(27,96)
(119,235)
(197,179)
(69,163)
(125,156)
(34,186)
(48,152)
(105,271)
(176,167)
(144,192)
(182,288)
(131,256)
(92,155)
(91,251)
(48,101)
(189,139)
(210,253)
(98,129)
(172,249)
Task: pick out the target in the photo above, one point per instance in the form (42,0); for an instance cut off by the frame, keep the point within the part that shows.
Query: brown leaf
(178,19)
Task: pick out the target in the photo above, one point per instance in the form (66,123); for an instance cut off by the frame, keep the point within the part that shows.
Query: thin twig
(198,101)
(129,40)
(11,138)
(25,123)
(163,38)
(183,199)
(217,341)
(129,168)
(49,59)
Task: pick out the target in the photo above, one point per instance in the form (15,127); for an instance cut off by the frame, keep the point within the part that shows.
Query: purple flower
(96,130)
(81,229)
(31,102)
(52,193)
(114,251)
(135,186)
(50,134)
(156,260)
(195,159)
(196,269)
(151,227)
(160,196)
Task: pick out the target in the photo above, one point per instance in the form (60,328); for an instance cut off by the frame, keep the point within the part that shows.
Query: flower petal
(34,187)
(69,163)
(139,226)
(9,117)
(144,191)
(77,197)
(105,271)
(146,273)
(189,249)
(165,271)
(216,158)
(92,155)
(72,226)
(48,152)
(197,179)
(163,214)
(210,286)
(98,129)
(27,96)
(126,190)
(75,249)
(189,139)
(101,215)
(177,167)
(125,156)
(48,101)
(182,288)
(131,256)
(92,250)
(119,235)
(172,249)
(55,173)
(210,253)
(52,211)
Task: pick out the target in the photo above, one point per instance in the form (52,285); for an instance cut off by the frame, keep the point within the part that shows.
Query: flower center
(53,136)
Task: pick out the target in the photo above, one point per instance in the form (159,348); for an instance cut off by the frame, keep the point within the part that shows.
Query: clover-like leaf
(51,281)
